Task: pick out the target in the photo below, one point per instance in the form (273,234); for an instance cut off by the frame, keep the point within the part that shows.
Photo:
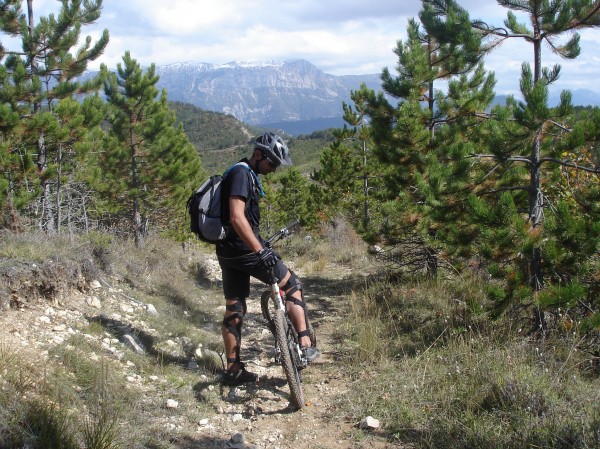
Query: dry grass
(333,245)
(441,375)
(421,356)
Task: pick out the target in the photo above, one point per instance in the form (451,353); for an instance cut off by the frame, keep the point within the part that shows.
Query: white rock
(203,422)
(129,341)
(374,249)
(369,423)
(126,308)
(94,302)
(151,310)
(172,403)
(94,285)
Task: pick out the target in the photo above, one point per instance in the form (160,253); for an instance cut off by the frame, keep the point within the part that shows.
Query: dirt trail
(256,416)
(262,412)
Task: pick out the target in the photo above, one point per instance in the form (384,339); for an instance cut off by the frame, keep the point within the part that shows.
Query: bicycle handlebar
(282,233)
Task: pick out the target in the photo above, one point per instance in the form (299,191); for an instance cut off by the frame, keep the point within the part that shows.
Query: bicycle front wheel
(288,361)
(267,308)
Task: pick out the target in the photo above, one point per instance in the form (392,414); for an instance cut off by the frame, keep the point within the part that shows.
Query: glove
(267,257)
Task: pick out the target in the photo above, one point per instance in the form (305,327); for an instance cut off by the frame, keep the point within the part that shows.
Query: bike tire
(288,361)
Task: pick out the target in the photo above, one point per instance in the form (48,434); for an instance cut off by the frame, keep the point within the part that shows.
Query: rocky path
(257,416)
(262,414)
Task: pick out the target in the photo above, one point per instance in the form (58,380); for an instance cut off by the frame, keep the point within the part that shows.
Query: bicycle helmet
(274,148)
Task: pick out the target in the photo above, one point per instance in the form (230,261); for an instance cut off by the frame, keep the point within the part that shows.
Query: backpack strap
(254,176)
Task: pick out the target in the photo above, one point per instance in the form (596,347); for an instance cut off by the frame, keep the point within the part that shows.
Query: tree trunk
(536,198)
(137,224)
(58,191)
(137,215)
(367,217)
(47,216)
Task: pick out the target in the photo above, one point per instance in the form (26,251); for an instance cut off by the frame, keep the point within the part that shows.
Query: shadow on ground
(119,330)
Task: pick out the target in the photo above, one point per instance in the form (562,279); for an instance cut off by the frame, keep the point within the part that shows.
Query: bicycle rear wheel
(286,344)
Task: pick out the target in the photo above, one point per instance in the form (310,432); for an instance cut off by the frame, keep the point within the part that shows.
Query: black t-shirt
(239,182)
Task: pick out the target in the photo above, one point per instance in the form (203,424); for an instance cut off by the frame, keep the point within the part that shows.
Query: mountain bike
(287,346)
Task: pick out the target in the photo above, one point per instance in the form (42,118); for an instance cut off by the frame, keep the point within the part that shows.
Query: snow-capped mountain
(264,91)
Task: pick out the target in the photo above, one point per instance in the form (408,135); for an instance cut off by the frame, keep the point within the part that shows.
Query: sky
(339,37)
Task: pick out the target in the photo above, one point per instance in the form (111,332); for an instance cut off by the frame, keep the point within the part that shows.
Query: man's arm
(237,218)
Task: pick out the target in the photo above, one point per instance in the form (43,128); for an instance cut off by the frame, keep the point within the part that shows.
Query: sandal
(238,375)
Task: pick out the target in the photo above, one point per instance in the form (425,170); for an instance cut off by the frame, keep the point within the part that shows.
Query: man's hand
(267,257)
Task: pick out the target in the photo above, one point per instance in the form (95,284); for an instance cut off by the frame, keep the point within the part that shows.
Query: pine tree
(34,80)
(530,149)
(424,138)
(151,167)
(350,176)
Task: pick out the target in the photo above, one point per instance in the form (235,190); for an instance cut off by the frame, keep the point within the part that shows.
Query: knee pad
(239,309)
(292,286)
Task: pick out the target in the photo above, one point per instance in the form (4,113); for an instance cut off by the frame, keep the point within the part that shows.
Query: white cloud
(189,17)
(338,36)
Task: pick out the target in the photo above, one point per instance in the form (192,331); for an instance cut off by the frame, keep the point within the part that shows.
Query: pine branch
(569,164)
(502,33)
(585,20)
(493,156)
(504,189)
(561,126)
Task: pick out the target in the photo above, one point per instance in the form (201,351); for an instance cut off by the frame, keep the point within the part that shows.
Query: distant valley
(294,96)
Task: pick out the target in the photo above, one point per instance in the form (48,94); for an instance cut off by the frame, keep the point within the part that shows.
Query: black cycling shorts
(237,270)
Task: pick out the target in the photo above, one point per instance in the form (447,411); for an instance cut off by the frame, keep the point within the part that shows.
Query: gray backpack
(204,207)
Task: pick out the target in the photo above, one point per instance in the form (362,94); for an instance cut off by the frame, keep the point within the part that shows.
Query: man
(243,254)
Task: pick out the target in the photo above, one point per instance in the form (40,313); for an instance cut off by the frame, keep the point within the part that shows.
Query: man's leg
(236,288)
(296,307)
(231,330)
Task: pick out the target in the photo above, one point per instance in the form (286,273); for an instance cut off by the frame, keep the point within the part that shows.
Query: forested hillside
(209,130)
(221,139)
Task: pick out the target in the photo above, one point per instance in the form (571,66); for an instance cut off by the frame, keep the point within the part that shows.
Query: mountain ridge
(258,92)
(292,95)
